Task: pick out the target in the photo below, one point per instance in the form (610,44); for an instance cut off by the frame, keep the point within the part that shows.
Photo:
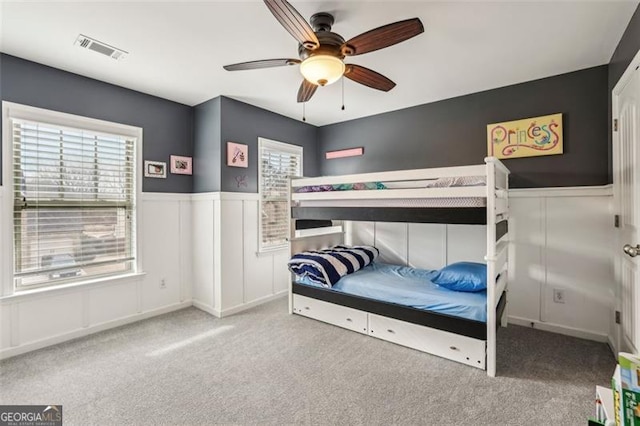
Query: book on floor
(626,387)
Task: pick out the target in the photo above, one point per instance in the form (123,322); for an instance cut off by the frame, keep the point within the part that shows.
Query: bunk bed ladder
(292,234)
(491,269)
(497,252)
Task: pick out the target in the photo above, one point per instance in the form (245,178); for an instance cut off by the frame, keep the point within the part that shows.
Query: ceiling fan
(322,51)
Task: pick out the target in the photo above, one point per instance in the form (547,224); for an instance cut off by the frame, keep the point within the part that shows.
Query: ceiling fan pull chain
(343,93)
(304,114)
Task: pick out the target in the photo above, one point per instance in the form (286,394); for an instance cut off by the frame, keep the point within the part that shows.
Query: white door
(628,199)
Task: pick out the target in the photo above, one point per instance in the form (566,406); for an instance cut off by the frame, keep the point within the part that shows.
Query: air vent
(100,47)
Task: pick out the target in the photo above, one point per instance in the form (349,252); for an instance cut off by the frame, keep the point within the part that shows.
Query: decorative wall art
(241,181)
(181,165)
(342,153)
(155,169)
(529,137)
(237,155)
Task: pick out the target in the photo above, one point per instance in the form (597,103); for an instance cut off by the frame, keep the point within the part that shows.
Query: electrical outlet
(163,283)
(558,295)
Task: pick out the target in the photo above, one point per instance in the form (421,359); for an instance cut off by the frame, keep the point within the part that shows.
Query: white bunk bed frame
(468,350)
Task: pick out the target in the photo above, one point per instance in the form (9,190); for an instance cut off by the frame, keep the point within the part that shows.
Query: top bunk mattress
(384,188)
(411,287)
(399,202)
(448,182)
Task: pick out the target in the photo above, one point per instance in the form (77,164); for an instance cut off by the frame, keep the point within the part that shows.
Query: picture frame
(237,155)
(527,137)
(181,165)
(155,169)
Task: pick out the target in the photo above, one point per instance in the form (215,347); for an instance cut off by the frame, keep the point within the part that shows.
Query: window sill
(75,286)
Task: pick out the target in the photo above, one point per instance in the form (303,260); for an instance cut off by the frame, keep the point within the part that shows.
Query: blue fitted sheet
(410,287)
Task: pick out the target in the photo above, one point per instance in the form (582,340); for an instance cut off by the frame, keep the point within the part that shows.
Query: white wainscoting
(561,238)
(229,273)
(31,320)
(205,247)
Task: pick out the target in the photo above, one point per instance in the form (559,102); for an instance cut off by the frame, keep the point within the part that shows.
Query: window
(278,162)
(74,193)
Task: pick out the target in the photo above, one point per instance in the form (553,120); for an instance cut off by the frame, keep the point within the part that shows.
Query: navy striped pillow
(326,267)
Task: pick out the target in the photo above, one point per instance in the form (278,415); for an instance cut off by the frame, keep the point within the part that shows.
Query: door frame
(615,337)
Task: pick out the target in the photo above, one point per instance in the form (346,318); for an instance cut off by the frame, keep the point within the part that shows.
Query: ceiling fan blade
(382,37)
(368,77)
(293,22)
(265,63)
(306,91)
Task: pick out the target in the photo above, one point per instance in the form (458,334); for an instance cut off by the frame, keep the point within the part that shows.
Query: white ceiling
(177,48)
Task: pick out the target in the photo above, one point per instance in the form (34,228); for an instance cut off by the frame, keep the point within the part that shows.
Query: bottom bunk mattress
(411,287)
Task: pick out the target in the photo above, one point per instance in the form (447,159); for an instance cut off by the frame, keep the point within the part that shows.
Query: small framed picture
(237,155)
(181,165)
(155,169)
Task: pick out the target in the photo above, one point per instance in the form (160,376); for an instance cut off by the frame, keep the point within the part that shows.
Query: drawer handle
(349,320)
(391,331)
(453,348)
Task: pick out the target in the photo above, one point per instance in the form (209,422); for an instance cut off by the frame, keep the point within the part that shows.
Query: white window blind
(278,162)
(74,202)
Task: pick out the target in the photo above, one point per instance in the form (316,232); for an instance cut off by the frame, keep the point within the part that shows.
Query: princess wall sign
(529,137)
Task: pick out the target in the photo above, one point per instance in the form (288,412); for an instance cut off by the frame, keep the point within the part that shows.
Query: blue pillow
(462,276)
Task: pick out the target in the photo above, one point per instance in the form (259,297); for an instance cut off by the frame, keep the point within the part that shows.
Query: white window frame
(11,111)
(276,146)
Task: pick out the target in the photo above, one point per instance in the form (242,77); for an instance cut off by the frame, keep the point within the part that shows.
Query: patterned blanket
(326,267)
(362,186)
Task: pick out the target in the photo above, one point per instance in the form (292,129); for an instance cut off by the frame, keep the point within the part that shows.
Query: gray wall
(206,146)
(626,49)
(620,60)
(453,132)
(243,123)
(445,133)
(167,126)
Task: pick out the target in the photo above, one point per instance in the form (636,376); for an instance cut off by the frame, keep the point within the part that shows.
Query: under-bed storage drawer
(437,342)
(328,312)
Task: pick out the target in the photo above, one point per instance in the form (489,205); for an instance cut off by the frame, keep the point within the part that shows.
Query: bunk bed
(476,195)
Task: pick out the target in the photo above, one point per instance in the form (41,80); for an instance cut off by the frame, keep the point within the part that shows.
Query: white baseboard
(612,346)
(239,308)
(245,306)
(560,329)
(206,308)
(39,344)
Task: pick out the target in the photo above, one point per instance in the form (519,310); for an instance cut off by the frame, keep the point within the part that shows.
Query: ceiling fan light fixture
(322,69)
